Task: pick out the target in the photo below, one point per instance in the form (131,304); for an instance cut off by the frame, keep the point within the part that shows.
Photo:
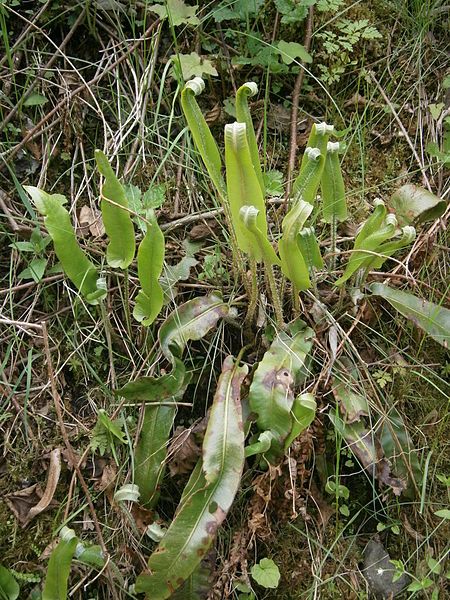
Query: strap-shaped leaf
(334,206)
(9,588)
(247,90)
(118,224)
(388,248)
(271,394)
(242,185)
(150,260)
(372,224)
(261,248)
(319,136)
(309,247)
(76,265)
(58,570)
(205,506)
(191,321)
(308,180)
(206,144)
(362,256)
(151,452)
(432,318)
(303,413)
(293,263)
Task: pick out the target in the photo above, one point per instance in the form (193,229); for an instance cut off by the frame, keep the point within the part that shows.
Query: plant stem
(108,329)
(126,293)
(295,300)
(333,243)
(274,295)
(253,298)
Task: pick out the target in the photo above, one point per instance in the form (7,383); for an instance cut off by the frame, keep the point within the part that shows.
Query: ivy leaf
(178,11)
(266,573)
(291,50)
(193,65)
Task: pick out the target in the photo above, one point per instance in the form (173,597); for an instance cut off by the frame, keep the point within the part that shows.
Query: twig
(72,456)
(403,130)
(295,103)
(35,131)
(38,75)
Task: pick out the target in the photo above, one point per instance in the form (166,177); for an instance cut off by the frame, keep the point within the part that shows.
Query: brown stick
(72,456)
(295,102)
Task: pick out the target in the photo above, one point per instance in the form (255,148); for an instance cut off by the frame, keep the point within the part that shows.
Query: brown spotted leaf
(367,449)
(203,506)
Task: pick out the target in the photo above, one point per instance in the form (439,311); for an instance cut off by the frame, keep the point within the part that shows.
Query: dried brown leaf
(30,502)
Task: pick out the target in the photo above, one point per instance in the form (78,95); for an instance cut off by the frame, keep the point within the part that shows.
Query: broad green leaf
(293,263)
(35,270)
(334,206)
(177,11)
(58,569)
(247,90)
(387,249)
(366,448)
(198,585)
(206,145)
(318,138)
(193,65)
(400,451)
(113,428)
(151,452)
(349,394)
(365,247)
(309,248)
(117,222)
(223,442)
(91,555)
(9,588)
(205,506)
(127,493)
(236,10)
(154,389)
(150,260)
(307,183)
(261,446)
(76,265)
(191,321)
(303,413)
(262,249)
(242,185)
(266,573)
(291,50)
(443,514)
(432,318)
(413,204)
(271,394)
(35,100)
